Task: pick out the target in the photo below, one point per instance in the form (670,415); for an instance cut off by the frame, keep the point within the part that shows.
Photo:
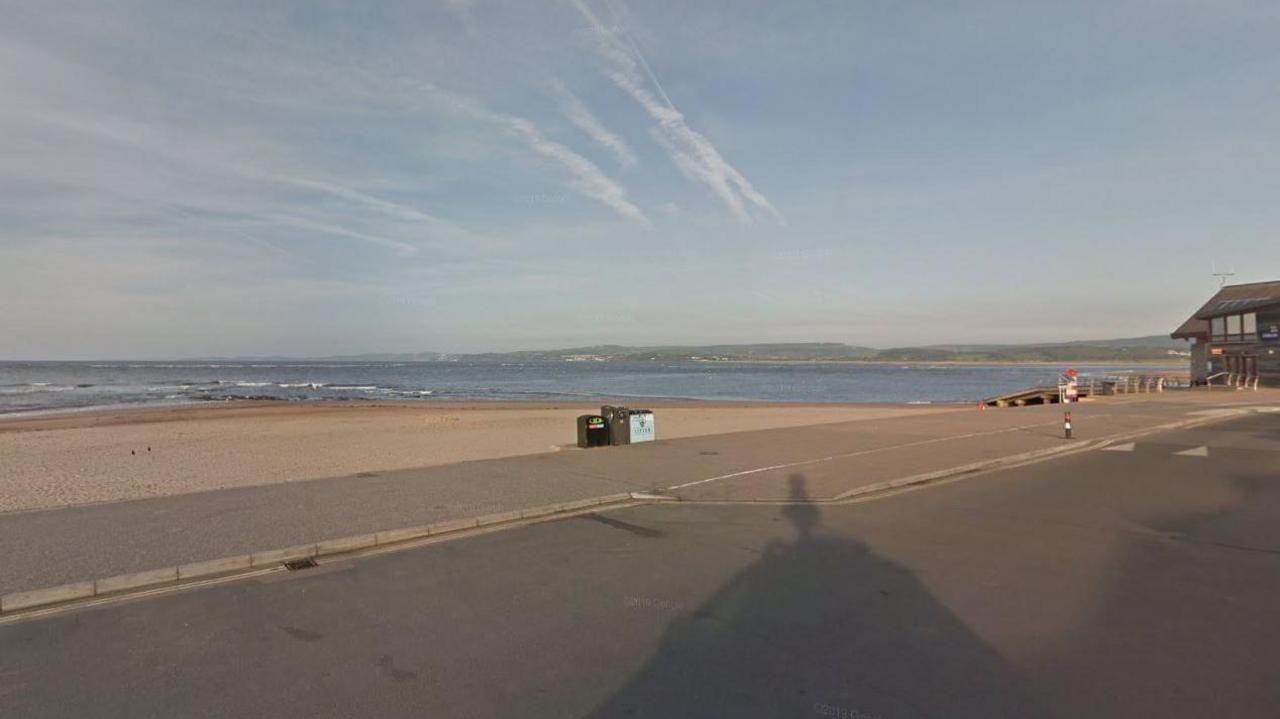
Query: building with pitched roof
(1236,336)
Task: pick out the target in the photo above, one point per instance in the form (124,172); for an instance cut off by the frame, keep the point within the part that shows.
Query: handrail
(1135,383)
(1239,380)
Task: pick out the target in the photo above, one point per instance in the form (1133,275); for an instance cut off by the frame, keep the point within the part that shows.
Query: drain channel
(294,565)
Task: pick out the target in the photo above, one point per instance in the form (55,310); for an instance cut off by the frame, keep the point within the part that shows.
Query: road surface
(1137,581)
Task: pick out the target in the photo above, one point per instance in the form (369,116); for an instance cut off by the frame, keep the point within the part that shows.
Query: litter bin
(593,431)
(640,425)
(619,424)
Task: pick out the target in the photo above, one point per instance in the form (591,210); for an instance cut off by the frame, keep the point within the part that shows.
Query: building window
(1234,328)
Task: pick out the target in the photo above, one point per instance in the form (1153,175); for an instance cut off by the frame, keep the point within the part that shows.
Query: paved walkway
(49,547)
(1106,584)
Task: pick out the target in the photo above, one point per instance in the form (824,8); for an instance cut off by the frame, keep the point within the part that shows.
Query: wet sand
(128,454)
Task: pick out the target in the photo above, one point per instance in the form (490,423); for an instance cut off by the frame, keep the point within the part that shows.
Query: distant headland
(1154,348)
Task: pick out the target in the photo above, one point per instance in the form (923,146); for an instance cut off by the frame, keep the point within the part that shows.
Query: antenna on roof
(1222,276)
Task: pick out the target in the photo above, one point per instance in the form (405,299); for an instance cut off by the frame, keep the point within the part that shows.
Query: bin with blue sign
(640,422)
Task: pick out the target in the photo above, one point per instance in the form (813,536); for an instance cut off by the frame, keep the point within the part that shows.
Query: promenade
(1133,579)
(71,544)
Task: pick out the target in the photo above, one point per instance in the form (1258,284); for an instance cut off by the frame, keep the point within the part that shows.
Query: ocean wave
(34,387)
(240,397)
(353,387)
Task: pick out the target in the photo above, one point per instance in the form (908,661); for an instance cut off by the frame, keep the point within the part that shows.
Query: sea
(43,387)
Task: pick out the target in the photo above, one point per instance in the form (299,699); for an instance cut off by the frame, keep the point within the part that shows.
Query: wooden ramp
(1043,394)
(1089,387)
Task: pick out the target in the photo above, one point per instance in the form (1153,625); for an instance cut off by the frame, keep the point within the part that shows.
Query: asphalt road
(1138,581)
(56,546)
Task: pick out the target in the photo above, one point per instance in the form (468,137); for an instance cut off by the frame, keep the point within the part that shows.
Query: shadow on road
(821,626)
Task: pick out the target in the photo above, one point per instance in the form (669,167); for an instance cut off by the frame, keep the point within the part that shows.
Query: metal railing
(1131,384)
(1239,380)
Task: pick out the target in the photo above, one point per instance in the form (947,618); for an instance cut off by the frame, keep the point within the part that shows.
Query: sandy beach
(127,454)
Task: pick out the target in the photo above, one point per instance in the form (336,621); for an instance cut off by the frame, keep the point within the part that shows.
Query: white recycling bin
(642,429)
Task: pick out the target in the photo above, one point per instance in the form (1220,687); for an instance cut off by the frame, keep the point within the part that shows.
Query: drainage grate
(294,565)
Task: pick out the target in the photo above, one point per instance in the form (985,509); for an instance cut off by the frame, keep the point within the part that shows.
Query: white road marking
(1194,452)
(1218,412)
(1127,447)
(860,453)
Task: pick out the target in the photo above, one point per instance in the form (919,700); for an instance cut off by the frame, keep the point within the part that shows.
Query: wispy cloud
(404,212)
(403,249)
(588,179)
(577,112)
(692,152)
(203,180)
(132,163)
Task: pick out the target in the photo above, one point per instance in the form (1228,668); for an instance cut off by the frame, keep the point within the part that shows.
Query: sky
(320,178)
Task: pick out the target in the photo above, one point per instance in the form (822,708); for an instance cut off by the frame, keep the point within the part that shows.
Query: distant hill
(1150,341)
(1158,341)
(1033,353)
(400,357)
(808,351)
(371,357)
(1133,349)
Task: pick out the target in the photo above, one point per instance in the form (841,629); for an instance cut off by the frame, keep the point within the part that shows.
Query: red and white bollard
(1066,424)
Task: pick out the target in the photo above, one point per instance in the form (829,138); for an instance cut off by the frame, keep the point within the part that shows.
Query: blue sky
(183,179)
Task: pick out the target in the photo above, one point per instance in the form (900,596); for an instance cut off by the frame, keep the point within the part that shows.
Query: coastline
(144,412)
(62,388)
(133,453)
(1181,361)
